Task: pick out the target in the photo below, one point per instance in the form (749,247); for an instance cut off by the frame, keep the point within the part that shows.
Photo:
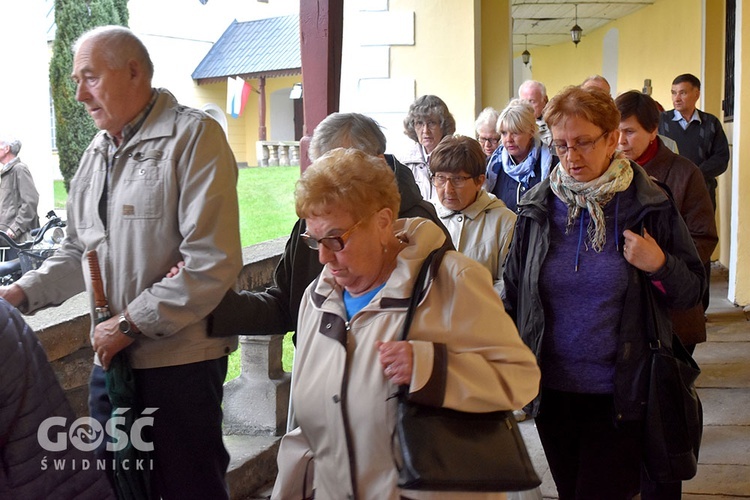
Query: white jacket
(467,356)
(417,160)
(482,231)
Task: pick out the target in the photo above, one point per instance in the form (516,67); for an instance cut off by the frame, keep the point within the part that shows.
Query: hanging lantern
(575,31)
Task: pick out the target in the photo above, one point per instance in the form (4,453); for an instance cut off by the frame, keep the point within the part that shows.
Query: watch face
(124,325)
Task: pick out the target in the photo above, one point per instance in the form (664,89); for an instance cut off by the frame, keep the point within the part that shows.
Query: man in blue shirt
(699,135)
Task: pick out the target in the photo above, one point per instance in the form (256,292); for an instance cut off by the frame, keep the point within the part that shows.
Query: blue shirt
(355,304)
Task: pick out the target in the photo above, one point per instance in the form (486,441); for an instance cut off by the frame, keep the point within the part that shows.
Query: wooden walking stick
(101,306)
(128,483)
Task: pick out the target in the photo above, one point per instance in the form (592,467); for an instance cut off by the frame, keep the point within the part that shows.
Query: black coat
(682,277)
(29,395)
(274,311)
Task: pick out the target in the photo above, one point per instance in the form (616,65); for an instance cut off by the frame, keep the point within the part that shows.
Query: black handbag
(449,450)
(674,414)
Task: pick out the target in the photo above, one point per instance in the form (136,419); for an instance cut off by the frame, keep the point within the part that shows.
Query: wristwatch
(126,327)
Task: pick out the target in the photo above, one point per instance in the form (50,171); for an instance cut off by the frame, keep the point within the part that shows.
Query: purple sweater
(582,309)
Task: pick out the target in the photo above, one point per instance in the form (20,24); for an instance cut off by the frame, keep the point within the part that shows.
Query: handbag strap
(430,266)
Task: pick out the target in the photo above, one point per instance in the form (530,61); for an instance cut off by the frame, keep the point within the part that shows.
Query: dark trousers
(189,458)
(659,491)
(100,410)
(590,457)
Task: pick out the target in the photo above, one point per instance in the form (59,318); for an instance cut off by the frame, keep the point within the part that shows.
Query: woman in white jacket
(480,225)
(463,351)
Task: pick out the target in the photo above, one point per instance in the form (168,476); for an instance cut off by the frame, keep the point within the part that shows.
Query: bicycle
(31,253)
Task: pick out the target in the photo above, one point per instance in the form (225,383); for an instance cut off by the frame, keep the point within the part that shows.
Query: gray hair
(518,117)
(597,81)
(347,130)
(13,143)
(119,45)
(533,84)
(425,107)
(488,116)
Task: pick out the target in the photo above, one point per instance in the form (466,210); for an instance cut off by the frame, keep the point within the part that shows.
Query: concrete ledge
(260,261)
(252,464)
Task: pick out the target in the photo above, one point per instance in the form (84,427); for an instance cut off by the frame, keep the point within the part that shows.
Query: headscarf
(592,195)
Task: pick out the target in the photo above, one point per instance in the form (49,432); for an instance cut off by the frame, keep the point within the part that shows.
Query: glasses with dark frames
(332,243)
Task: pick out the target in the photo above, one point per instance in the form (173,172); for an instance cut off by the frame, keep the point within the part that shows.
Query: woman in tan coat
(463,351)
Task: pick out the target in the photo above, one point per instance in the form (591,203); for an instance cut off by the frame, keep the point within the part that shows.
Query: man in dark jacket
(699,135)
(30,396)
(274,311)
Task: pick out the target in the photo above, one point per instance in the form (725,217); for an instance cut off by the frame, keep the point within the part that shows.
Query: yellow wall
(443,58)
(243,131)
(661,59)
(496,68)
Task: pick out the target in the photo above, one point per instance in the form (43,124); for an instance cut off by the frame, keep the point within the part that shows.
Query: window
(728,102)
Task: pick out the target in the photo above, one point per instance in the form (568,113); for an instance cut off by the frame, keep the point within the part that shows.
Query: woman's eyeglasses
(431,124)
(332,243)
(582,147)
(494,141)
(457,181)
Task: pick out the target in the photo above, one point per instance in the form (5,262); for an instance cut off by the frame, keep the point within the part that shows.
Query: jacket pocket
(143,182)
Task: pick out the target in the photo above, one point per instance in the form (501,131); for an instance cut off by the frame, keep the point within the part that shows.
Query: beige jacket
(462,340)
(482,231)
(168,188)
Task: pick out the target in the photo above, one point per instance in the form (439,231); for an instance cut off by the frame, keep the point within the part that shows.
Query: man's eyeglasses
(582,147)
(457,181)
(492,140)
(332,243)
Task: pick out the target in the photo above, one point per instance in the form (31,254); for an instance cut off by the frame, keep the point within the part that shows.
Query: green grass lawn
(266,199)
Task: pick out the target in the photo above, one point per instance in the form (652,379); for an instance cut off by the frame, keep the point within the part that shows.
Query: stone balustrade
(277,153)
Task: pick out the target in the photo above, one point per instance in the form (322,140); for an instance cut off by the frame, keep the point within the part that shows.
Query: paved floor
(724,388)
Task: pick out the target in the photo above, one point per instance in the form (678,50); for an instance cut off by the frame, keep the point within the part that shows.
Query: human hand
(13,294)
(643,252)
(396,358)
(11,234)
(175,269)
(109,340)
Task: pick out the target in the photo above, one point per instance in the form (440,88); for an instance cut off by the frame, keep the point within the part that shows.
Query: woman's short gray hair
(518,117)
(347,130)
(488,116)
(347,179)
(424,108)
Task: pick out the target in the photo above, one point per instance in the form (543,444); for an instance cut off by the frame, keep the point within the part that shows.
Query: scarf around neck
(523,171)
(592,195)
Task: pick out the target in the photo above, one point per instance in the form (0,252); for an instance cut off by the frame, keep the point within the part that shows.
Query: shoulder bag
(449,450)
(674,415)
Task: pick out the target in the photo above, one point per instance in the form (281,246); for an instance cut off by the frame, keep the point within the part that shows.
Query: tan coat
(167,188)
(342,398)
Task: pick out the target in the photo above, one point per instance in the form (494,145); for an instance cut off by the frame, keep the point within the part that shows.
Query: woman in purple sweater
(588,242)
